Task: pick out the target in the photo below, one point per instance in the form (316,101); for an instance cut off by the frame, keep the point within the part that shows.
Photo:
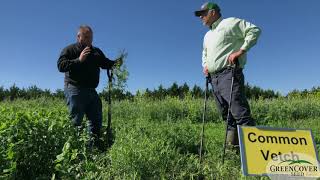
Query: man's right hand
(205,71)
(84,54)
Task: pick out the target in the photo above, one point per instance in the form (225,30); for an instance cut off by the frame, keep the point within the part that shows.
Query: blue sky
(163,39)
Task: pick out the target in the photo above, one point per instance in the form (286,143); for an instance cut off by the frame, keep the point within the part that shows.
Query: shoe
(232,137)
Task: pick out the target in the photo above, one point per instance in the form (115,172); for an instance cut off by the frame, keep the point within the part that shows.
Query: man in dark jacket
(81,63)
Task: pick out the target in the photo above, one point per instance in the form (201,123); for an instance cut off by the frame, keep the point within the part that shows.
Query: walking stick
(229,112)
(203,121)
(118,62)
(109,130)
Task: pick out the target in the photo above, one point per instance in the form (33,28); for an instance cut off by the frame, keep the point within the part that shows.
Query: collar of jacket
(216,23)
(79,46)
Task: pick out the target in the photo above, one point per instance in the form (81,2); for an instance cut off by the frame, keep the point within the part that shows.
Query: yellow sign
(278,151)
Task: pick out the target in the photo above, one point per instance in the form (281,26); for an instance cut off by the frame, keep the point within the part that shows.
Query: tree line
(315,91)
(252,92)
(160,93)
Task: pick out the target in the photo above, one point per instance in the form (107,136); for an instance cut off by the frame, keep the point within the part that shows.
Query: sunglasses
(202,13)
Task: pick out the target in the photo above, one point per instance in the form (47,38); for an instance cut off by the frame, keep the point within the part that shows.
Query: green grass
(153,139)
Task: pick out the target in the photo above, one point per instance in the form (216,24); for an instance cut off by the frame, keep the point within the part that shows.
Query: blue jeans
(84,101)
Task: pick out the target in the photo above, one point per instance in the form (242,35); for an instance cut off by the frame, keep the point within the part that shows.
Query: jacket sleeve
(105,63)
(250,34)
(204,54)
(65,63)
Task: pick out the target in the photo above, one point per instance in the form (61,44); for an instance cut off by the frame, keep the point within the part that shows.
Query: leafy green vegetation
(153,139)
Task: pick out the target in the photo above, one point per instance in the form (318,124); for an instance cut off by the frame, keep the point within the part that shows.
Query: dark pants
(240,110)
(84,101)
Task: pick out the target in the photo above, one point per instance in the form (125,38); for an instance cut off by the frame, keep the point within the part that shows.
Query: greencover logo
(293,164)
(296,162)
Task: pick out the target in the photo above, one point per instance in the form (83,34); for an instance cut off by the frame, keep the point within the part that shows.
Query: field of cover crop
(153,139)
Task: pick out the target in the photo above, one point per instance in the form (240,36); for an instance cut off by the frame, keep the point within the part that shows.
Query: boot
(233,141)
(96,142)
(232,137)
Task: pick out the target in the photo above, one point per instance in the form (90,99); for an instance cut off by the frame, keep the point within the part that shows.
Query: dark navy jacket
(82,74)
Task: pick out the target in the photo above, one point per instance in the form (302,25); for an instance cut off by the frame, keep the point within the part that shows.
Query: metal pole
(203,121)
(109,130)
(229,113)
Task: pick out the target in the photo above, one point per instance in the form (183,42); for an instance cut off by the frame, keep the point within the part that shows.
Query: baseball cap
(205,7)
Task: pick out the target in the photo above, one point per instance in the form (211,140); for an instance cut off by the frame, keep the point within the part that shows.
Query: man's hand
(205,71)
(234,56)
(84,54)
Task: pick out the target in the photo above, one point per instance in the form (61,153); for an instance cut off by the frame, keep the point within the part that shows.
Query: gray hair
(85,27)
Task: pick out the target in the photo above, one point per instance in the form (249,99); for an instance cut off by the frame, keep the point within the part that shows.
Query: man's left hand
(234,56)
